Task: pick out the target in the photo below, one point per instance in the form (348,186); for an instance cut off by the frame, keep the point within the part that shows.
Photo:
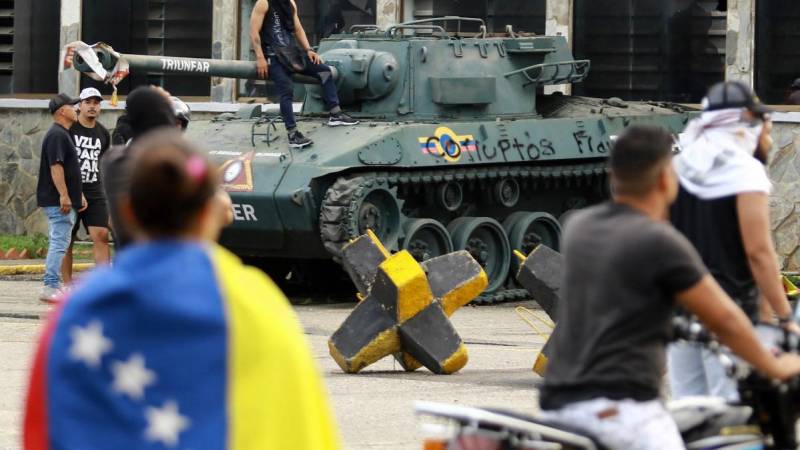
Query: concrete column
(387,13)
(740,41)
(558,22)
(69,80)
(224,34)
(558,19)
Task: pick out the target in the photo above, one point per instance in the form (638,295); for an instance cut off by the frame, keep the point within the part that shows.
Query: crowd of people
(686,234)
(118,352)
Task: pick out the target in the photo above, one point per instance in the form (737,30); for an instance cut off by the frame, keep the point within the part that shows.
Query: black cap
(733,94)
(148,109)
(60,100)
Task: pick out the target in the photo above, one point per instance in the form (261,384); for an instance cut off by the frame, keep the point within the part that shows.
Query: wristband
(785,320)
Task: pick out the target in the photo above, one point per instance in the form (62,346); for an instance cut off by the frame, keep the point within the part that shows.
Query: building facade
(667,50)
(661,50)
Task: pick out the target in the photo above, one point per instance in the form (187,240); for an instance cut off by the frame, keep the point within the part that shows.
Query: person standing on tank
(282,48)
(92,140)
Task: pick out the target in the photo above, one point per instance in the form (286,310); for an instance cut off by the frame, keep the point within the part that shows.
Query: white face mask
(752,134)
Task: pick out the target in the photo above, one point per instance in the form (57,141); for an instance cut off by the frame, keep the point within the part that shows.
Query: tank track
(339,210)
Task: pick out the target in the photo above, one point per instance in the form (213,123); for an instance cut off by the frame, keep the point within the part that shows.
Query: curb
(35,269)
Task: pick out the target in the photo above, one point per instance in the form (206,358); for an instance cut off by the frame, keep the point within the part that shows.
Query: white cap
(89,93)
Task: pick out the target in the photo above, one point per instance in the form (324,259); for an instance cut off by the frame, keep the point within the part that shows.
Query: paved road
(373,409)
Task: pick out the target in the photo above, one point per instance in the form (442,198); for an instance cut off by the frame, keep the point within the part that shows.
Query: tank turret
(414,70)
(419,70)
(458,148)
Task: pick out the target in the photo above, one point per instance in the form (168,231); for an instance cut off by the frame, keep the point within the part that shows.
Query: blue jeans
(60,232)
(696,371)
(282,78)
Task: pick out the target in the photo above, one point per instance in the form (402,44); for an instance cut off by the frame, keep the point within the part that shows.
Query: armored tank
(460,146)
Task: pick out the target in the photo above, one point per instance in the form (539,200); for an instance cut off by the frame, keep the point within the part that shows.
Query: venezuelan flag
(178,345)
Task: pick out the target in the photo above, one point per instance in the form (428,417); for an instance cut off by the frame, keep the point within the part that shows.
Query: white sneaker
(50,294)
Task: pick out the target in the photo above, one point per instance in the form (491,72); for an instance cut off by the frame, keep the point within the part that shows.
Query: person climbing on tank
(282,48)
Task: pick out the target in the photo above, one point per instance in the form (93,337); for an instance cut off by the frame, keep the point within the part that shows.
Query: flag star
(132,377)
(89,344)
(165,424)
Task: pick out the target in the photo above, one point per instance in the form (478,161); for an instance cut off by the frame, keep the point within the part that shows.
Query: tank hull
(302,205)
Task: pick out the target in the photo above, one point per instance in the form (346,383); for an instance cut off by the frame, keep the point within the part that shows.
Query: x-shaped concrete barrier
(540,274)
(405,308)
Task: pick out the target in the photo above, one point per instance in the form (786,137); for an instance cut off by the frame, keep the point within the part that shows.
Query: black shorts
(96,215)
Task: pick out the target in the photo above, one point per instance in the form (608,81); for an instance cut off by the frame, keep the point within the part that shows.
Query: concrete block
(431,339)
(361,259)
(541,275)
(455,279)
(405,308)
(540,365)
(368,334)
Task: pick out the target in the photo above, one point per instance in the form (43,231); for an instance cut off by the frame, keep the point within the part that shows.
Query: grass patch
(82,251)
(30,243)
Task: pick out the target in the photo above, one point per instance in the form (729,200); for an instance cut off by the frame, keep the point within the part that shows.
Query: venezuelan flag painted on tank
(178,346)
(447,144)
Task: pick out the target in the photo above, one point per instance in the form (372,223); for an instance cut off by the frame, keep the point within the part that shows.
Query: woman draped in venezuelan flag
(178,345)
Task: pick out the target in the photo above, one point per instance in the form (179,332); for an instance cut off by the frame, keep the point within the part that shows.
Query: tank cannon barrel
(110,61)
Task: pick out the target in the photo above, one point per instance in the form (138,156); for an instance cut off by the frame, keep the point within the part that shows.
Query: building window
(522,15)
(777,48)
(29,37)
(669,50)
(6,45)
(153,27)
(320,19)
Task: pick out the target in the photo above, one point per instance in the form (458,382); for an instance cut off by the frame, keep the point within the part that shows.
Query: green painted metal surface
(452,127)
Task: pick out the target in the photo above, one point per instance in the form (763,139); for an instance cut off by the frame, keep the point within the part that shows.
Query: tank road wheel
(426,239)
(352,206)
(506,192)
(526,230)
(485,239)
(450,195)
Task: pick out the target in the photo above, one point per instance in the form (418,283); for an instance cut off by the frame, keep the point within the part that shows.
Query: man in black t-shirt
(91,141)
(626,269)
(58,191)
(723,209)
(278,39)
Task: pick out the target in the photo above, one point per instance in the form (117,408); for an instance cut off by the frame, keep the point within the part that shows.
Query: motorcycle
(765,418)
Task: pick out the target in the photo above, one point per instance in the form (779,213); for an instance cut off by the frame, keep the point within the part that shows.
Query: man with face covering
(723,209)
(147,108)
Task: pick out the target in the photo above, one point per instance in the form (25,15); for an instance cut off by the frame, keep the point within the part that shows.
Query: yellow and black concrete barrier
(405,308)
(540,274)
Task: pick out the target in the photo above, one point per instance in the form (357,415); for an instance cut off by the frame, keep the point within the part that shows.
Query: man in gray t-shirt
(626,269)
